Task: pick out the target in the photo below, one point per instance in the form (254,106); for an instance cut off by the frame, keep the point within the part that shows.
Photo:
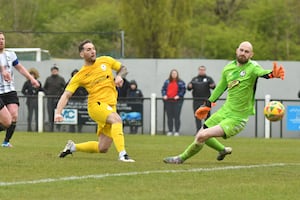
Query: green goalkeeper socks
(191,150)
(194,148)
(215,144)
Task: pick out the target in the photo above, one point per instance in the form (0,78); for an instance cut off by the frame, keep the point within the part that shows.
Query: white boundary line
(100,176)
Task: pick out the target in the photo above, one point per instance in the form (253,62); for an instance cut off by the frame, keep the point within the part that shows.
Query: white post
(153,114)
(38,55)
(267,122)
(122,45)
(40,111)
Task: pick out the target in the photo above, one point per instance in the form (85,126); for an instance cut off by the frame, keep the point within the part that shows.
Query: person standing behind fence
(134,95)
(173,91)
(122,91)
(78,97)
(200,87)
(9,101)
(31,93)
(53,87)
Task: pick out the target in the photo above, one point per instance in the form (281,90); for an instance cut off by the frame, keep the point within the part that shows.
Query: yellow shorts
(99,113)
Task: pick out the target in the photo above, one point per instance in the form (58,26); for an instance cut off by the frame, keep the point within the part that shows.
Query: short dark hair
(80,47)
(201,67)
(54,67)
(74,72)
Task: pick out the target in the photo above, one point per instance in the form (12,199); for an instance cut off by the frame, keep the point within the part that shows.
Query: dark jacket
(122,91)
(54,85)
(201,86)
(134,94)
(29,90)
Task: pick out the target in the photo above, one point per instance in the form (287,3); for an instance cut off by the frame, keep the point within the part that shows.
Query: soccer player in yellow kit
(96,76)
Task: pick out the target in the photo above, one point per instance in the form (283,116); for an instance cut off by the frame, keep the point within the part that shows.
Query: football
(274,111)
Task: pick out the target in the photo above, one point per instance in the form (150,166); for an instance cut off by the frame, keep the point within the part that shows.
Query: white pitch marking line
(100,176)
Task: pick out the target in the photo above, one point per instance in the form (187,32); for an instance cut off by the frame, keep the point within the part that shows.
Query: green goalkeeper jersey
(240,83)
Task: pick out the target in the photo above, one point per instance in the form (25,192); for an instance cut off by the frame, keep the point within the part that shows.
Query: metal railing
(154,118)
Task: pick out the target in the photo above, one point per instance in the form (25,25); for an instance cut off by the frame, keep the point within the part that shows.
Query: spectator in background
(134,95)
(200,87)
(31,93)
(122,91)
(173,91)
(299,94)
(54,87)
(78,97)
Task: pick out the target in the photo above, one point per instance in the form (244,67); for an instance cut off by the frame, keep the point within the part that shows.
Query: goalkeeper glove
(278,72)
(203,110)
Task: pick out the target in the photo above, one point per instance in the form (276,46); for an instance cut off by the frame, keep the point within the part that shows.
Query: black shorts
(9,98)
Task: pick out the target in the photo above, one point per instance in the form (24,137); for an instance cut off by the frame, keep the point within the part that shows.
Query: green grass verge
(34,158)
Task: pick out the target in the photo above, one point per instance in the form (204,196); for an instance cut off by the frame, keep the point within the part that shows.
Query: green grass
(34,158)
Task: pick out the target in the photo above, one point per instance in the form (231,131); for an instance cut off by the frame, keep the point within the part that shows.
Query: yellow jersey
(98,80)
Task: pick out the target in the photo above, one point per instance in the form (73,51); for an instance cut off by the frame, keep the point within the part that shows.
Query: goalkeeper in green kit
(239,78)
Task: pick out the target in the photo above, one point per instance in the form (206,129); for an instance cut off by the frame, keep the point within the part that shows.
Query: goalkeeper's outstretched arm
(277,72)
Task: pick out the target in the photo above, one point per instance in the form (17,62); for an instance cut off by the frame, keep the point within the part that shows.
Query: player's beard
(242,59)
(91,60)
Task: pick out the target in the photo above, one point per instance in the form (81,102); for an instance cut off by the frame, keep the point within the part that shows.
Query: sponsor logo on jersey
(233,84)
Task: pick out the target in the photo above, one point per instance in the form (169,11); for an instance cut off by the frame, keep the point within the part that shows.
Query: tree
(91,19)
(12,20)
(274,25)
(60,25)
(155,28)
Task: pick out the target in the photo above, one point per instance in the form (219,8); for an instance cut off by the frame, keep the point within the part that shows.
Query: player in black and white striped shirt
(9,101)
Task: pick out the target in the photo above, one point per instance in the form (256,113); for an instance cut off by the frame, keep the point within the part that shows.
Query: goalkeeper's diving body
(239,78)
(96,76)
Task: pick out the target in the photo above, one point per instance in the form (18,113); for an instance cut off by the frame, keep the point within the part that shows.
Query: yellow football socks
(118,136)
(89,147)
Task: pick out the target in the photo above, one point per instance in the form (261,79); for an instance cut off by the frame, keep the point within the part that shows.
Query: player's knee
(14,117)
(6,123)
(103,150)
(201,137)
(117,119)
(114,118)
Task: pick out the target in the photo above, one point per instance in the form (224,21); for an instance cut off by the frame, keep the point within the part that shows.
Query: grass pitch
(257,169)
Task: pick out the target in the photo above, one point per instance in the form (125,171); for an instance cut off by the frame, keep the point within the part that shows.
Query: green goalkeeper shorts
(230,124)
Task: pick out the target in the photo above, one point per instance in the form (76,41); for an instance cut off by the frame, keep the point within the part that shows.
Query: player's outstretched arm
(60,105)
(277,72)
